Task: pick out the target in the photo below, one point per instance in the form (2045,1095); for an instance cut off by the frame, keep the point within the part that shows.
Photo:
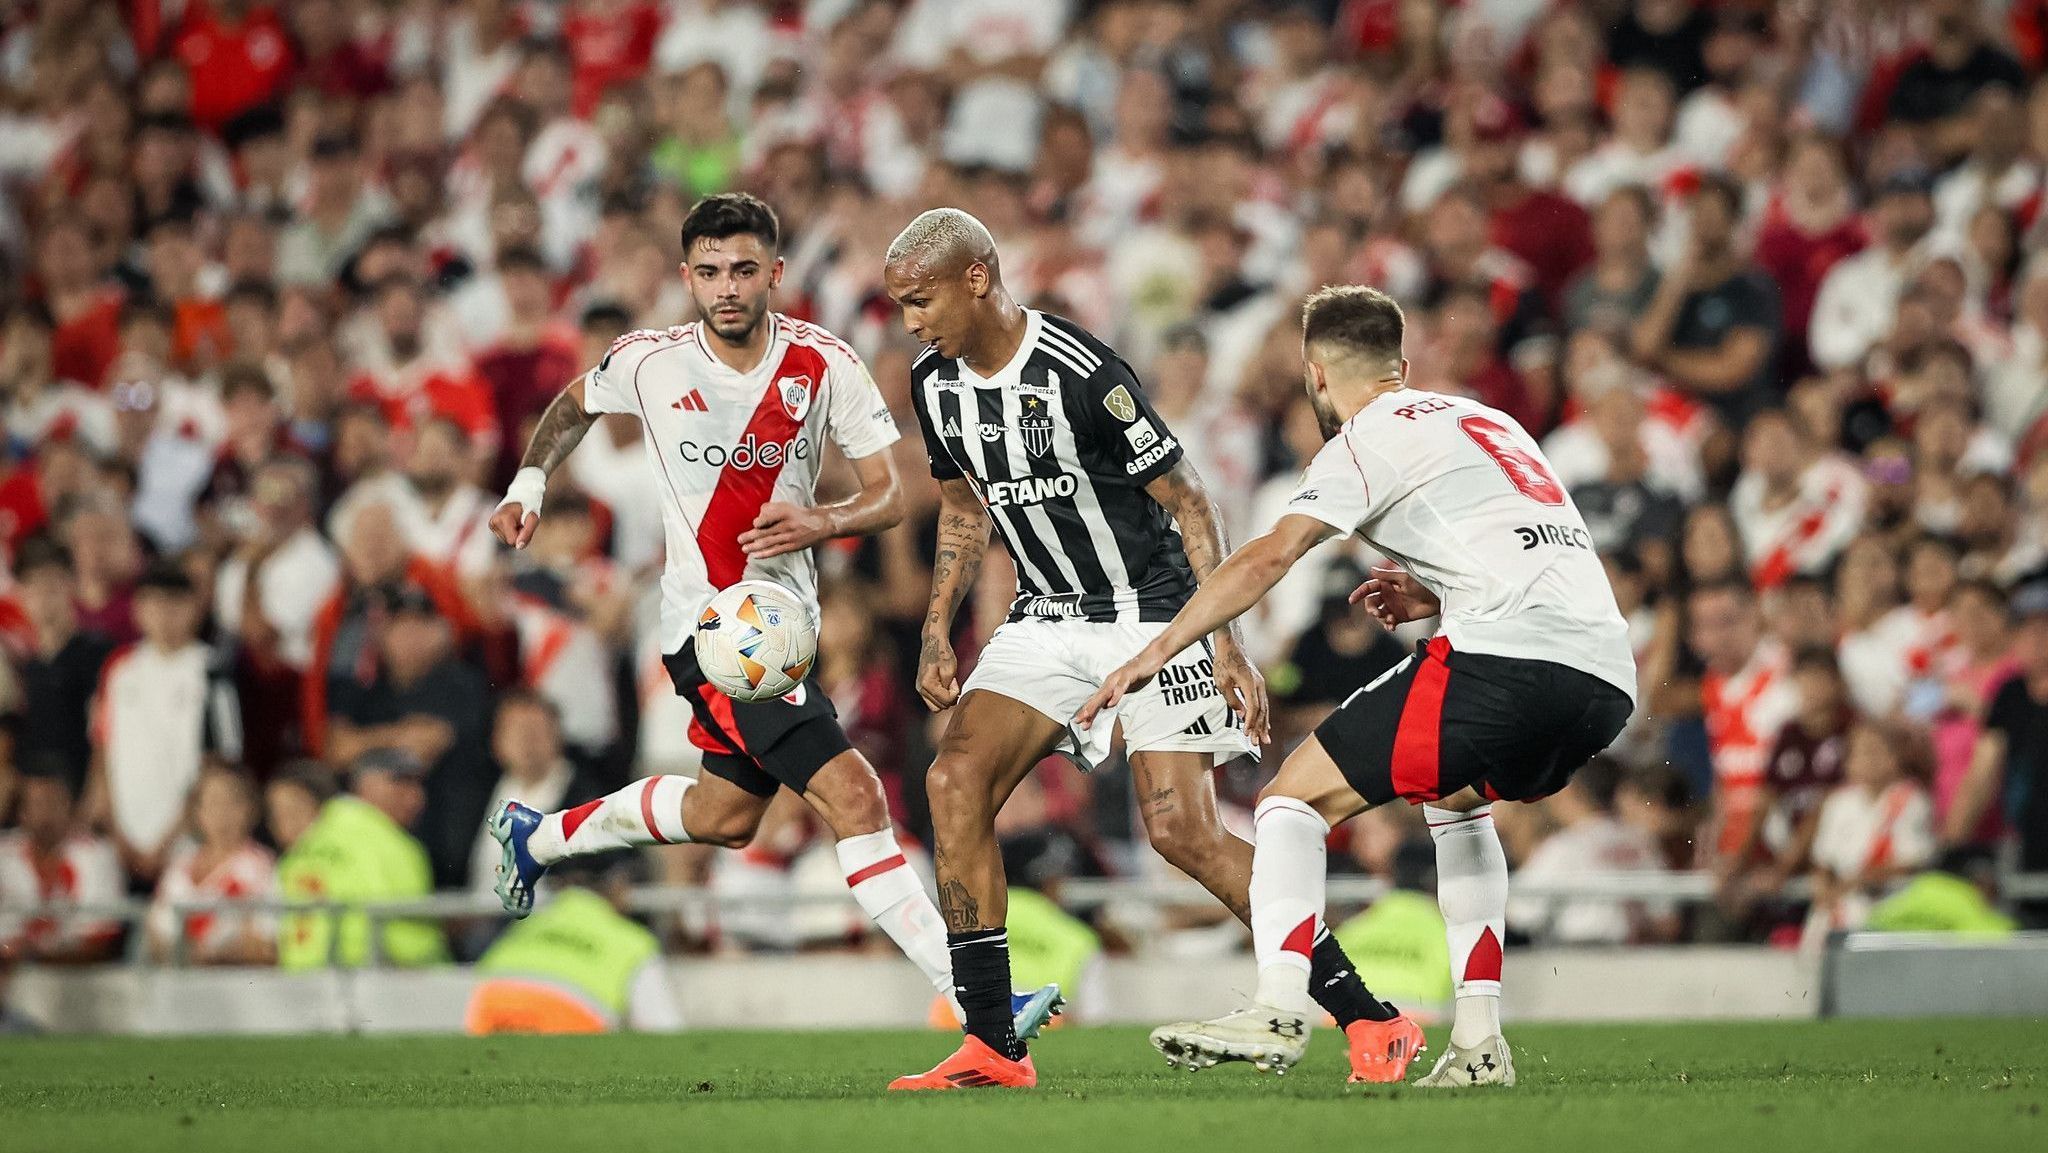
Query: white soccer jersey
(725,443)
(1461,497)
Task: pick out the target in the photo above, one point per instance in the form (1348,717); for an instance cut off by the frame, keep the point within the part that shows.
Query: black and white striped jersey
(1060,444)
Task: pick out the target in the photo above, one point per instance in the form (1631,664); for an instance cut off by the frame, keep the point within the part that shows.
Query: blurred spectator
(1747,694)
(267,597)
(1860,295)
(1972,673)
(47,865)
(1712,327)
(443,513)
(1591,842)
(1810,224)
(1398,941)
(570,611)
(426,705)
(1953,897)
(1933,93)
(533,357)
(1621,281)
(578,965)
(1795,508)
(164,711)
(2009,770)
(1874,828)
(52,732)
(857,668)
(358,850)
(526,744)
(1805,766)
(221,861)
(293,799)
(339,214)
(1342,649)
(376,564)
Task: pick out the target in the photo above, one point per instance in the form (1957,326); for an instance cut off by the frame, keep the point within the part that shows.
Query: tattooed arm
(561,429)
(963,539)
(1181,494)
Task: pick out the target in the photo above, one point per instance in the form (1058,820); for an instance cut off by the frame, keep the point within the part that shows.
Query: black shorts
(1440,720)
(758,745)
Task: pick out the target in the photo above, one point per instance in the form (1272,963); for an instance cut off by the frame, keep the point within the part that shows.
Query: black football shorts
(1513,728)
(758,745)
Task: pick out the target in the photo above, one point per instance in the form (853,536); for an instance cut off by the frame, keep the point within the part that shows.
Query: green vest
(578,941)
(1936,902)
(1047,944)
(353,853)
(1399,949)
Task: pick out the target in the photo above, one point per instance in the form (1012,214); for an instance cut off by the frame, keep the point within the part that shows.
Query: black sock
(981,981)
(1335,985)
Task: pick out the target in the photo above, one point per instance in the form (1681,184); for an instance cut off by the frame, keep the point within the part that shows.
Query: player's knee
(958,791)
(850,799)
(732,829)
(1184,839)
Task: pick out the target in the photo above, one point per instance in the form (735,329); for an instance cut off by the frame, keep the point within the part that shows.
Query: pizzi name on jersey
(1059,445)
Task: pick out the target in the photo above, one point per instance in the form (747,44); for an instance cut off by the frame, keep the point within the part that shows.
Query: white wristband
(528,486)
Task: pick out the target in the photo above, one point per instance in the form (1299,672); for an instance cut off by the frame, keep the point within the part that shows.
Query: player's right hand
(518,515)
(938,674)
(513,524)
(1394,597)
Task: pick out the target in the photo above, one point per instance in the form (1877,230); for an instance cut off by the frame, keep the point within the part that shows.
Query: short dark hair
(39,552)
(607,318)
(1361,320)
(522,259)
(730,214)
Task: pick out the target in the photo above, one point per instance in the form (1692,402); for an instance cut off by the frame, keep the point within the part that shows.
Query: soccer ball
(756,640)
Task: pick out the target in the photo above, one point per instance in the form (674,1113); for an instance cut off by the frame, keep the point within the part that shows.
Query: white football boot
(1487,1063)
(1271,1039)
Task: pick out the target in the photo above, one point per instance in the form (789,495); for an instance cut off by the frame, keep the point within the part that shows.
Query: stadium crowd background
(285,285)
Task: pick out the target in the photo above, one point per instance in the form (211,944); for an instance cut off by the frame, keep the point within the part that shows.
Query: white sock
(893,897)
(1472,891)
(1289,862)
(647,812)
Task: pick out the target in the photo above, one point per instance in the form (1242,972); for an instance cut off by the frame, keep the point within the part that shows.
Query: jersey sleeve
(944,467)
(1343,486)
(1126,426)
(861,424)
(608,387)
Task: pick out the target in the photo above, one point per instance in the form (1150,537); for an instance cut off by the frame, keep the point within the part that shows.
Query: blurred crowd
(285,286)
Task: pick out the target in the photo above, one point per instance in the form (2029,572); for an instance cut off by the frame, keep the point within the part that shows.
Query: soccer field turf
(1746,1088)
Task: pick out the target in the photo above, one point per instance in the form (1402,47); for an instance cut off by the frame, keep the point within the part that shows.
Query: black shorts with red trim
(758,745)
(1514,729)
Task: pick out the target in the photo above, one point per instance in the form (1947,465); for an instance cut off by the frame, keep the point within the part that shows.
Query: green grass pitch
(1731,1088)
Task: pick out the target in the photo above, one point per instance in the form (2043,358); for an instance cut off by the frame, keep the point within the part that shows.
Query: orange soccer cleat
(1381,1050)
(973,1066)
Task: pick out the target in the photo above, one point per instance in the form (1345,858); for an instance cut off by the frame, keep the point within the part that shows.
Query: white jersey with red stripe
(1461,496)
(725,443)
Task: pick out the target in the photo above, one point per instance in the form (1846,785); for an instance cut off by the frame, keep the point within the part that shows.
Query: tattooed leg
(1177,799)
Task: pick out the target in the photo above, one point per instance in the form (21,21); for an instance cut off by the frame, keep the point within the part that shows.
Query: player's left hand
(1244,690)
(1130,675)
(785,528)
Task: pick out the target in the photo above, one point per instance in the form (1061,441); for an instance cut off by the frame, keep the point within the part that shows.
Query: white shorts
(1055,666)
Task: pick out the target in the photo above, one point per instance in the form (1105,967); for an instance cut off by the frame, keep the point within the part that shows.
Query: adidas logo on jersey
(694,402)
(951,431)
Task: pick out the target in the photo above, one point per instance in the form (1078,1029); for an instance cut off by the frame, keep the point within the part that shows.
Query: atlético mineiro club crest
(1034,426)
(796,396)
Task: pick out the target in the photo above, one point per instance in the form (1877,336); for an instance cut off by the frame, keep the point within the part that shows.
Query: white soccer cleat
(1487,1063)
(1271,1039)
